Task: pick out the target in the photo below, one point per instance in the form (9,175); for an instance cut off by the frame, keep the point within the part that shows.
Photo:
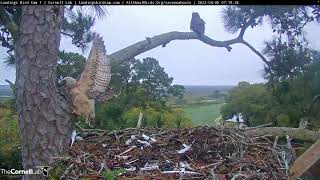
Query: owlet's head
(68,82)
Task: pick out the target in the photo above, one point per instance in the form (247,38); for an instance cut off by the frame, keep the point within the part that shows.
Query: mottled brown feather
(94,80)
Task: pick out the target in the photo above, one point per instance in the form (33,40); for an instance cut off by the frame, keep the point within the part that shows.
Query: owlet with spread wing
(93,82)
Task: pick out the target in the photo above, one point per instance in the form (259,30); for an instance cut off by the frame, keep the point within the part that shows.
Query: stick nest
(203,152)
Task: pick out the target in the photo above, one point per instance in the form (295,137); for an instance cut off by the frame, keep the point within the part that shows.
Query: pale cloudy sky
(189,62)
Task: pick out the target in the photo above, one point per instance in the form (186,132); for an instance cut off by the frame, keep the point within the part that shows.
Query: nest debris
(197,153)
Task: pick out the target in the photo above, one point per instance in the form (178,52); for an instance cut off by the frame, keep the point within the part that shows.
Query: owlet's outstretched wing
(94,80)
(97,73)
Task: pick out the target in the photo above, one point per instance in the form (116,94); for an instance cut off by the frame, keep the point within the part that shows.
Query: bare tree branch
(11,84)
(67,34)
(256,52)
(295,133)
(163,39)
(260,126)
(244,27)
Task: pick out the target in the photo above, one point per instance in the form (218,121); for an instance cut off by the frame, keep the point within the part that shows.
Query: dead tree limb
(139,120)
(306,160)
(12,86)
(260,126)
(163,39)
(295,133)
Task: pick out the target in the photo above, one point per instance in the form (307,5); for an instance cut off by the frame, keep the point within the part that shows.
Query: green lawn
(202,113)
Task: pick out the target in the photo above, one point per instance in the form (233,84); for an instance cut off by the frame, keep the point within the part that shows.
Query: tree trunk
(44,116)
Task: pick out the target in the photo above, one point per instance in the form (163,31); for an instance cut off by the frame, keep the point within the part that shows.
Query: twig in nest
(180,172)
(213,164)
(275,142)
(238,175)
(62,157)
(132,161)
(190,159)
(67,171)
(127,150)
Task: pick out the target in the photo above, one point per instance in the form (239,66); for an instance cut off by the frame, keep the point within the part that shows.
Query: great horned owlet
(197,24)
(94,81)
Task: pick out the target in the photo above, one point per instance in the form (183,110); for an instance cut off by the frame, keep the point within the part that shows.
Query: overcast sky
(189,62)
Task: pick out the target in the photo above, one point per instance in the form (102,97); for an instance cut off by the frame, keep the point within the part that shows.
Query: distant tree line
(292,68)
(290,94)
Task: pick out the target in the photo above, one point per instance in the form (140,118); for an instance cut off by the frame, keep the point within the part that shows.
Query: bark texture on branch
(163,39)
(295,133)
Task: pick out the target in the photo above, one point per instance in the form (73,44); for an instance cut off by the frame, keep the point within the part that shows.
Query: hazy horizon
(6,91)
(180,84)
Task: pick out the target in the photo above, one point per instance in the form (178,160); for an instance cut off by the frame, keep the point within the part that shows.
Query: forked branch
(163,39)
